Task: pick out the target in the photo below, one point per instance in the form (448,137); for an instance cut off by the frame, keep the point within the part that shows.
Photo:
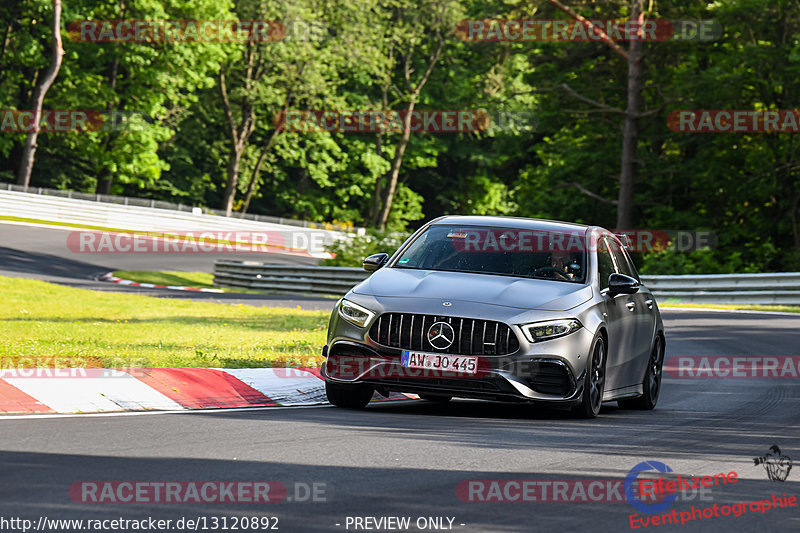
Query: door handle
(649,303)
(631,306)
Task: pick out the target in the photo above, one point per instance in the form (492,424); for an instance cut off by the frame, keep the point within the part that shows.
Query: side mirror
(622,284)
(375,261)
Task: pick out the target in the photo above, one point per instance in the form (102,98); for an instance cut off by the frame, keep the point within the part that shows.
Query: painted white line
(739,311)
(142,413)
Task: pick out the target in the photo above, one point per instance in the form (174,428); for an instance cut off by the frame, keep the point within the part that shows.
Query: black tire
(594,382)
(436,398)
(348,396)
(652,381)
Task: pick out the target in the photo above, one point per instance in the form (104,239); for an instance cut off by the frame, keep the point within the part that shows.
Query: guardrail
(158,204)
(779,288)
(155,219)
(287,279)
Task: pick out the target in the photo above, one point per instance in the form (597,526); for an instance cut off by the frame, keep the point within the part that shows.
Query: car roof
(511,222)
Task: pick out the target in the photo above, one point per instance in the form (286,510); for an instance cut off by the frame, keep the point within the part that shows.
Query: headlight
(552,329)
(354,313)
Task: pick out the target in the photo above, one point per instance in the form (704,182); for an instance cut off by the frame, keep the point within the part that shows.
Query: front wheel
(652,381)
(594,383)
(348,396)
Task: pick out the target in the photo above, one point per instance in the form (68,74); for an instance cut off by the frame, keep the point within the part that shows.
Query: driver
(559,260)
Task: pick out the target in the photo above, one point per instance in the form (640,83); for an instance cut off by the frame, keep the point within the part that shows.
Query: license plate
(444,362)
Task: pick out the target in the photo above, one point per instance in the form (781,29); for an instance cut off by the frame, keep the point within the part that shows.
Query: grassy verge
(198,280)
(39,319)
(781,308)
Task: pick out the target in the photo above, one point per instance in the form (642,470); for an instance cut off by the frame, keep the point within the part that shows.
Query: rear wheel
(652,381)
(349,396)
(594,382)
(436,398)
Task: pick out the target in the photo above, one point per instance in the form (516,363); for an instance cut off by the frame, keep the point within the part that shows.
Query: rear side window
(605,265)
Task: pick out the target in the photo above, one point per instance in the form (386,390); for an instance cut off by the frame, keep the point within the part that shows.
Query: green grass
(39,319)
(740,307)
(198,280)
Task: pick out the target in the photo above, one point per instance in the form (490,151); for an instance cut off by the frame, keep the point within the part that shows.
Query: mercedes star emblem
(441,335)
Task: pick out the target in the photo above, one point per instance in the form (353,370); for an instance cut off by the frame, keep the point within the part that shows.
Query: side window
(623,266)
(632,266)
(605,264)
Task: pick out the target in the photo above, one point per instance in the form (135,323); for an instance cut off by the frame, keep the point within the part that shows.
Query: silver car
(499,308)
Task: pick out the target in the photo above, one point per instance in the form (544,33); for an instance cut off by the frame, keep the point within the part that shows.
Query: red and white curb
(78,390)
(110,277)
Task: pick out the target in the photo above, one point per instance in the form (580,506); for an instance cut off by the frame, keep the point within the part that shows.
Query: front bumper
(531,377)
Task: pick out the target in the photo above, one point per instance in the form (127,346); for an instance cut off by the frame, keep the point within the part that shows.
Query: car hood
(479,288)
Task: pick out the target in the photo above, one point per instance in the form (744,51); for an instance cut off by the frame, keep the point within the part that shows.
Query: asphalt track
(406,459)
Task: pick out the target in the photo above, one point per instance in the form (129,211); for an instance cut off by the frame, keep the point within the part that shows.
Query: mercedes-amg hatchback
(499,308)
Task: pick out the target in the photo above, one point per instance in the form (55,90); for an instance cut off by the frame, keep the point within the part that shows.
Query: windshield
(557,256)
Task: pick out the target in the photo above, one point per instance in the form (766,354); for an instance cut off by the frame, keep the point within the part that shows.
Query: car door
(640,307)
(620,322)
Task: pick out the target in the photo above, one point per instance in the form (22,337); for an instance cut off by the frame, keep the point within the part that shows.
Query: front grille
(472,337)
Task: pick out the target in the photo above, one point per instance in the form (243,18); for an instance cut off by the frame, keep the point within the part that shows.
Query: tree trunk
(630,131)
(104,182)
(413,96)
(253,186)
(795,223)
(106,176)
(238,137)
(391,187)
(232,179)
(29,151)
(377,194)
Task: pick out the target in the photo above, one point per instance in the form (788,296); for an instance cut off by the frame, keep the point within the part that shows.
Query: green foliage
(352,251)
(349,56)
(705,261)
